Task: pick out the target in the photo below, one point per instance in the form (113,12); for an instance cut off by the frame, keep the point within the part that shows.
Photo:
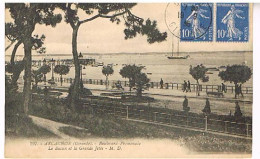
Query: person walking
(236,90)
(184,86)
(161,83)
(188,87)
(223,86)
(240,90)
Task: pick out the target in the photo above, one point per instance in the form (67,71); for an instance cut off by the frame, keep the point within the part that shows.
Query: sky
(102,36)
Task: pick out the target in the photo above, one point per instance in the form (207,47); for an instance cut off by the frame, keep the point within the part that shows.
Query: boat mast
(172,44)
(178,48)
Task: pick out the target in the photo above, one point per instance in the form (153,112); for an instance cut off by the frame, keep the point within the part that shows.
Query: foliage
(199,73)
(45,69)
(61,69)
(106,126)
(236,74)
(15,69)
(25,17)
(130,72)
(141,82)
(10,89)
(28,16)
(107,70)
(37,76)
(115,12)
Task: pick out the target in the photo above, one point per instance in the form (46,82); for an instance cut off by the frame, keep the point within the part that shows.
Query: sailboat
(178,56)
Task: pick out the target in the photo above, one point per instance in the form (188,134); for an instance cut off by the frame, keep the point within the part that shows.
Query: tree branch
(102,16)
(12,42)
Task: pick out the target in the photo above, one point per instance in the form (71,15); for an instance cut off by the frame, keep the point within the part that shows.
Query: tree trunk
(27,73)
(198,91)
(16,76)
(75,90)
(106,82)
(44,77)
(139,92)
(14,51)
(61,79)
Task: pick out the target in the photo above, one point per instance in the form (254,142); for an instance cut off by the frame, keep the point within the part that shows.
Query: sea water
(157,65)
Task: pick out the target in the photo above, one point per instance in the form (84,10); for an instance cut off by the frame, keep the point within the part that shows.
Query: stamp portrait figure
(230,20)
(194,19)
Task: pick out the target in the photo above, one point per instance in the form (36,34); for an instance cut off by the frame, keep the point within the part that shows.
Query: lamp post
(80,62)
(44,75)
(52,64)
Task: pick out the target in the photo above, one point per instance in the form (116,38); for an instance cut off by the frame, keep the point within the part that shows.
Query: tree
(130,72)
(236,74)
(199,73)
(61,70)
(12,33)
(112,11)
(107,70)
(141,82)
(15,69)
(25,17)
(37,76)
(44,70)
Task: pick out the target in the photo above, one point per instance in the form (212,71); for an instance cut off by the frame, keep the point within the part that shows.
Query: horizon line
(96,53)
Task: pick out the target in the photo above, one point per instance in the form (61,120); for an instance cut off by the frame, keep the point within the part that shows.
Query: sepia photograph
(135,80)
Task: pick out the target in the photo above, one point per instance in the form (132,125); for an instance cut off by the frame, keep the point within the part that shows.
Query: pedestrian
(207,109)
(184,86)
(45,92)
(240,90)
(161,83)
(238,114)
(236,90)
(224,88)
(188,87)
(186,108)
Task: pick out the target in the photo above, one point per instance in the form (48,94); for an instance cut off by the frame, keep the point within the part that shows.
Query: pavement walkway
(164,92)
(53,126)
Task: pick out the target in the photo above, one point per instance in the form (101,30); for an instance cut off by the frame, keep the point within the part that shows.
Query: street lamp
(44,75)
(80,63)
(52,64)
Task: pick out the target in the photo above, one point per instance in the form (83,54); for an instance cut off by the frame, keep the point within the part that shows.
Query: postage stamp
(196,22)
(232,22)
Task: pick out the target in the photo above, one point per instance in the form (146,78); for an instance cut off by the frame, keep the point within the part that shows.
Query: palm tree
(61,70)
(107,70)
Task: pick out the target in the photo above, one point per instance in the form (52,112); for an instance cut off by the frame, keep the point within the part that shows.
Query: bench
(215,94)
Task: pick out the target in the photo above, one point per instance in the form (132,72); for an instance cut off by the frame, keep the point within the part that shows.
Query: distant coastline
(135,53)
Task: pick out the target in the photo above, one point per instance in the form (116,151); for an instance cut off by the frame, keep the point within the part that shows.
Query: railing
(156,85)
(144,114)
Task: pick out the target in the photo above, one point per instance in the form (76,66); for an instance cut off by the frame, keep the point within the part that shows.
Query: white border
(256,80)
(256,64)
(2,79)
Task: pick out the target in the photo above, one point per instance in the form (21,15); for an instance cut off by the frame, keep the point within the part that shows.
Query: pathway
(53,126)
